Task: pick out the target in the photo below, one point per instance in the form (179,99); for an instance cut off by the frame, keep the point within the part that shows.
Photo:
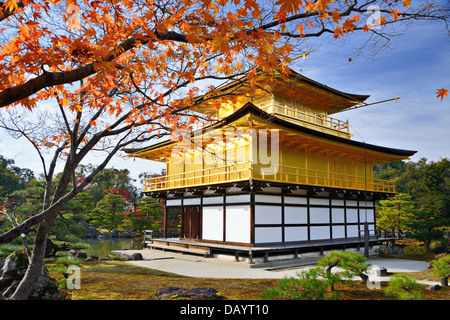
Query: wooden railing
(285,174)
(307,116)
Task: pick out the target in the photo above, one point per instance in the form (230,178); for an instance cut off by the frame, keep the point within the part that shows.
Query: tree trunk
(444,281)
(364,277)
(428,246)
(37,260)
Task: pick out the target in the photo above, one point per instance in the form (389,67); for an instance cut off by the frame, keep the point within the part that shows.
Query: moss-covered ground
(118,280)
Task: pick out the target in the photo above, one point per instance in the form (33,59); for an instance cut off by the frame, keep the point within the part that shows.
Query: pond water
(101,248)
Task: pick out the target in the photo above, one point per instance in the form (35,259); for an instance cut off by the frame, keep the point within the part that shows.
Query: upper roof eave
(251,108)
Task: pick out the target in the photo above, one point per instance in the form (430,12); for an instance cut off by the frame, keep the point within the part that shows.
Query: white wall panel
(338,232)
(267,198)
(337,202)
(323,202)
(237,223)
(338,215)
(296,233)
(265,235)
(352,203)
(238,198)
(174,202)
(212,223)
(352,215)
(212,200)
(267,214)
(319,215)
(295,200)
(368,204)
(352,231)
(362,215)
(318,233)
(295,215)
(191,201)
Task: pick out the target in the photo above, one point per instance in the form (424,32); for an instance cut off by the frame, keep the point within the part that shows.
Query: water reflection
(101,248)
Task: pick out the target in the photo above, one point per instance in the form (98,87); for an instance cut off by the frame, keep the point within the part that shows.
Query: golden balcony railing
(284,174)
(308,118)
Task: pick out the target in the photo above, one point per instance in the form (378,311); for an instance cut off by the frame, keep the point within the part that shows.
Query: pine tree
(395,213)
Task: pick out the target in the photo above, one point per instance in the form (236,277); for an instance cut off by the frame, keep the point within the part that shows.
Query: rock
(137,256)
(386,250)
(92,232)
(118,256)
(105,235)
(186,294)
(81,255)
(394,250)
(12,272)
(115,233)
(46,288)
(84,224)
(73,252)
(434,287)
(126,234)
(14,269)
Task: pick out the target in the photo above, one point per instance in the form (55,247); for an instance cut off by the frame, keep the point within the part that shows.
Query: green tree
(147,215)
(12,178)
(442,268)
(395,213)
(110,211)
(66,230)
(428,183)
(389,171)
(353,264)
(426,226)
(87,202)
(108,178)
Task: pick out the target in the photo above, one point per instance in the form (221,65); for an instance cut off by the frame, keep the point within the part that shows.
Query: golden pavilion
(275,172)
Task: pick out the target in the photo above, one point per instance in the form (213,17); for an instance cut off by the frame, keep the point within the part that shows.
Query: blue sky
(417,65)
(414,69)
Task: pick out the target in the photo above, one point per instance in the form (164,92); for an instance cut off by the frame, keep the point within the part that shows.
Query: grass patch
(118,280)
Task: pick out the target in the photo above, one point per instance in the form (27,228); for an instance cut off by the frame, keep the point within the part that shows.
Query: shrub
(307,286)
(403,287)
(442,268)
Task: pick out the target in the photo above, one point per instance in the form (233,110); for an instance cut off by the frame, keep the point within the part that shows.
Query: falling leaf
(442,93)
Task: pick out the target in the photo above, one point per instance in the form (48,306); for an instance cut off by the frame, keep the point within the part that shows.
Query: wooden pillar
(165,219)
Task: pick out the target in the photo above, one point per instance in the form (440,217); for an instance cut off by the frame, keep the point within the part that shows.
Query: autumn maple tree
(105,75)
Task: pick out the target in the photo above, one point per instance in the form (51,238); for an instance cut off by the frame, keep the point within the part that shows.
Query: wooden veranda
(209,249)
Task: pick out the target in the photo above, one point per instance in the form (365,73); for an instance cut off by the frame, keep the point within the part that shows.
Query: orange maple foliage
(395,14)
(175,44)
(442,93)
